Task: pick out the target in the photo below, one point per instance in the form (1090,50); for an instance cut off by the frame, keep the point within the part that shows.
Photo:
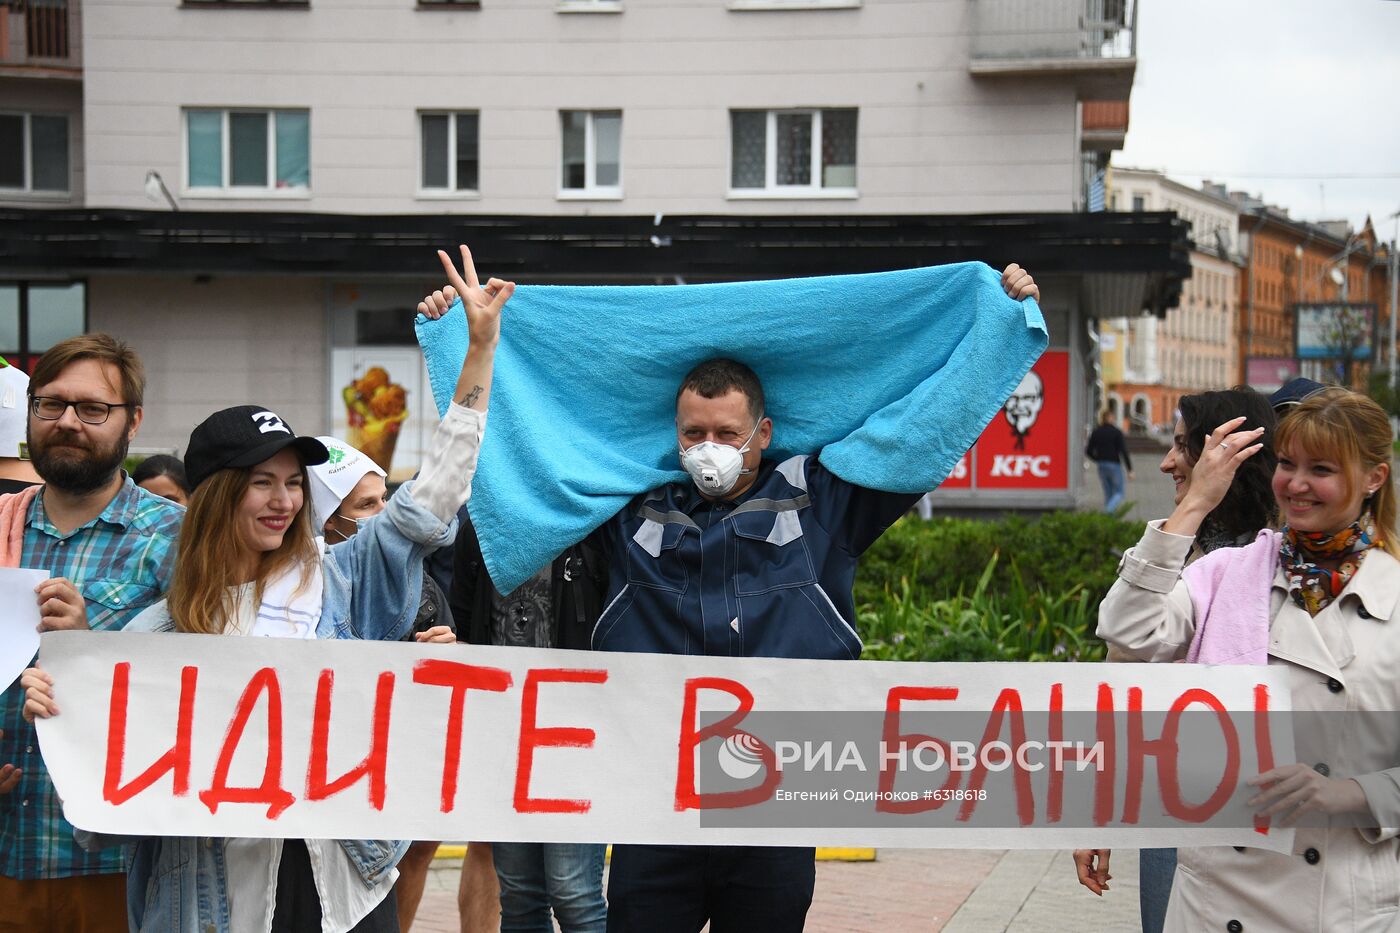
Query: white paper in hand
(19,621)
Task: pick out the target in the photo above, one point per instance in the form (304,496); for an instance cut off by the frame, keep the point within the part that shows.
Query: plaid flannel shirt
(121,562)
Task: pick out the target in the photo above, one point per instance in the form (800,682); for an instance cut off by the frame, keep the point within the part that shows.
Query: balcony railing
(1054,30)
(40,35)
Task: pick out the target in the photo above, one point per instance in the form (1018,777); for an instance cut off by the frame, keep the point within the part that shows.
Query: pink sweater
(13,508)
(1230,590)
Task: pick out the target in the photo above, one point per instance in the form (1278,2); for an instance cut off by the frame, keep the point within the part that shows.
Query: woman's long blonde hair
(209,545)
(1345,426)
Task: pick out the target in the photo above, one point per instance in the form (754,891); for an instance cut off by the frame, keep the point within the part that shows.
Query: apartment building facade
(1192,347)
(255,187)
(1293,263)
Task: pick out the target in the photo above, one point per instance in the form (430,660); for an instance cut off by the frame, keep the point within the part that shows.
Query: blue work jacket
(768,574)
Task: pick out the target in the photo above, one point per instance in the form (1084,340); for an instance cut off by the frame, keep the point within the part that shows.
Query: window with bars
(449,144)
(34,153)
(793,151)
(248,151)
(591,153)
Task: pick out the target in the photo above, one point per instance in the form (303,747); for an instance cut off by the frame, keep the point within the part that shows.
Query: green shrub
(1014,589)
(947,555)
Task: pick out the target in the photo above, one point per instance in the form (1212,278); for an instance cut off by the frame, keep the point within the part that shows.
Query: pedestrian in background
(163,475)
(1109,451)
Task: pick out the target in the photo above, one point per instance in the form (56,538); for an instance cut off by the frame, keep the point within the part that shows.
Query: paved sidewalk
(920,891)
(1036,892)
(1150,495)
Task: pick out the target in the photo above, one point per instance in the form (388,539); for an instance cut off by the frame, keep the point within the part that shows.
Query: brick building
(1290,262)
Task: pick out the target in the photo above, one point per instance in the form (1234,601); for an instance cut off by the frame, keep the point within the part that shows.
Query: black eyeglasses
(49,408)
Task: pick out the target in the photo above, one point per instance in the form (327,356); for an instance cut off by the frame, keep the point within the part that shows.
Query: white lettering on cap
(269,423)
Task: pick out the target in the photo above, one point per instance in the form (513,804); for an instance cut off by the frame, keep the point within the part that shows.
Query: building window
(1139,203)
(264,152)
(741,5)
(34,152)
(36,315)
(450,154)
(295,4)
(793,152)
(589,6)
(591,153)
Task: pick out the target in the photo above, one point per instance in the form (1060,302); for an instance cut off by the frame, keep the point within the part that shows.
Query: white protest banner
(19,624)
(194,735)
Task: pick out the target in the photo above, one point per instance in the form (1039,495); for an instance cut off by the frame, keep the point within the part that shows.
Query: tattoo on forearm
(470,398)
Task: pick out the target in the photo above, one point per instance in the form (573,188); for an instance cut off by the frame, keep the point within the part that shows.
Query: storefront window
(36,315)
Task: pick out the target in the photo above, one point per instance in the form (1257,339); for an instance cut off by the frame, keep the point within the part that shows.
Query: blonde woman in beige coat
(1334,611)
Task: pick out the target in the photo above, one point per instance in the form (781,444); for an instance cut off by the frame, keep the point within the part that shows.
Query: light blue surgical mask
(340,536)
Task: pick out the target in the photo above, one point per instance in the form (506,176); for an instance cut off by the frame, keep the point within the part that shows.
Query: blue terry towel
(890,375)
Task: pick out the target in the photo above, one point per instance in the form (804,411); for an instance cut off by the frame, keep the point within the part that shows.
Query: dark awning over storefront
(1128,259)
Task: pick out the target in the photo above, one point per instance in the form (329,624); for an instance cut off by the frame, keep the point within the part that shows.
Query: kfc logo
(1023,407)
(1022,458)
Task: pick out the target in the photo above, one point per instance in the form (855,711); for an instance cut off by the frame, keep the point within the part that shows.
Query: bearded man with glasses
(110,549)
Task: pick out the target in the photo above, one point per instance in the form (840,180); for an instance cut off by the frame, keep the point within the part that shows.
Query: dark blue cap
(1294,391)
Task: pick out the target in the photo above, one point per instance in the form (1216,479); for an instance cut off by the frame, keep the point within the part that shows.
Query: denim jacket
(371,591)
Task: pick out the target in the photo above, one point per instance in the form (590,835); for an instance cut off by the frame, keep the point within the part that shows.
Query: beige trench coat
(1337,880)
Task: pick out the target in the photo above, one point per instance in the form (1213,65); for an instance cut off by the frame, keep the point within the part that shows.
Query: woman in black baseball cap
(248,563)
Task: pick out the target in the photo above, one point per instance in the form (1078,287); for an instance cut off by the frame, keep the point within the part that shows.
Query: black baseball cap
(242,437)
(1293,392)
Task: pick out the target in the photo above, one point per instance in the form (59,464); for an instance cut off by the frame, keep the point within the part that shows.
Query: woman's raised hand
(1224,450)
(483,305)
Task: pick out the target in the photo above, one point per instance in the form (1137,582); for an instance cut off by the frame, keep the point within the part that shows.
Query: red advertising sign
(961,477)
(1027,445)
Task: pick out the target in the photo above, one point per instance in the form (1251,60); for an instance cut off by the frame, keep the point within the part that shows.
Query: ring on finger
(1224,445)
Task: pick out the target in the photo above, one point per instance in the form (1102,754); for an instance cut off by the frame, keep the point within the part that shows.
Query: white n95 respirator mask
(715,468)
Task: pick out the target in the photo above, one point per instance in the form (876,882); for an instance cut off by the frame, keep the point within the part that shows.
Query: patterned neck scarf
(1311,586)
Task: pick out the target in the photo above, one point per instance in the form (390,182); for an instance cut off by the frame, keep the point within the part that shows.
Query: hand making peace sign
(483,305)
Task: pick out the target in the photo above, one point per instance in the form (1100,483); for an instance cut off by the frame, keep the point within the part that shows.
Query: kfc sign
(961,477)
(1027,446)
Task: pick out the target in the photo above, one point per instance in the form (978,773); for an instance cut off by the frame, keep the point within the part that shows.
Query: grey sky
(1237,90)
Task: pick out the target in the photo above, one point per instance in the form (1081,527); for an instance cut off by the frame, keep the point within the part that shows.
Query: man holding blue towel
(752,558)
(733,555)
